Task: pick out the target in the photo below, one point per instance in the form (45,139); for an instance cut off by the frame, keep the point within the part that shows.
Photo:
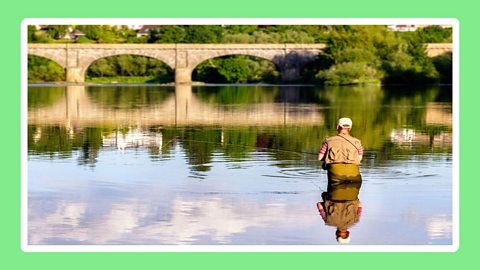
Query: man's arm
(323,150)
(321,211)
(359,211)
(360,153)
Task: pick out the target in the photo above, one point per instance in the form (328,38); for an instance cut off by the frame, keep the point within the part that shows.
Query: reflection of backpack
(341,214)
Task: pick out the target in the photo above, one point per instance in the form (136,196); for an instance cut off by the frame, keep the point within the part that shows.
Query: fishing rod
(240,145)
(245,146)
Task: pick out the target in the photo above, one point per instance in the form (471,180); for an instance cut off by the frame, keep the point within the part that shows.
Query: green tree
(130,65)
(239,38)
(101,68)
(234,70)
(203,34)
(92,32)
(240,29)
(83,39)
(262,37)
(171,34)
(292,36)
(429,34)
(32,36)
(153,35)
(42,69)
(377,53)
(443,64)
(57,31)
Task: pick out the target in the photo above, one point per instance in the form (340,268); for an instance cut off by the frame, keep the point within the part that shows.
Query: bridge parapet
(436,49)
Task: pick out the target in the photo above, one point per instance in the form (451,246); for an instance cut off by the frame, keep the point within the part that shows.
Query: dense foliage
(364,54)
(42,69)
(130,65)
(236,69)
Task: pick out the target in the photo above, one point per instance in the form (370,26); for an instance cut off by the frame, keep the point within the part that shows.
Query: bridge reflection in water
(180,108)
(144,107)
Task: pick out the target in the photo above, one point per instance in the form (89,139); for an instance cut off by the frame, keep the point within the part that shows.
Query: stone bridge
(182,58)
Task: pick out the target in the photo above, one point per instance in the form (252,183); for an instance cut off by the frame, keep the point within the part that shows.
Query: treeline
(220,34)
(354,54)
(131,65)
(186,34)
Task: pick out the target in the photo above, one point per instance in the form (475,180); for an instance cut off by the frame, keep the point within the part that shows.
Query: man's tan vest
(342,149)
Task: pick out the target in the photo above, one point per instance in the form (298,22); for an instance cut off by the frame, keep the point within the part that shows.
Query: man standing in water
(342,148)
(341,155)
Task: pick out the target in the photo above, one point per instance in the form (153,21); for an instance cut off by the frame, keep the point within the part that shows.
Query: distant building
(145,30)
(71,34)
(74,34)
(402,27)
(413,27)
(135,27)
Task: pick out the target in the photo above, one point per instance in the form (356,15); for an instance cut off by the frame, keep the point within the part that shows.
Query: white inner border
(240,248)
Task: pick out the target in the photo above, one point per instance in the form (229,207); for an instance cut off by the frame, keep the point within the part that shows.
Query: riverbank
(125,79)
(197,83)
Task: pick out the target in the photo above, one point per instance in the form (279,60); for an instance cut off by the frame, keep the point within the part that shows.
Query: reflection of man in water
(340,214)
(341,155)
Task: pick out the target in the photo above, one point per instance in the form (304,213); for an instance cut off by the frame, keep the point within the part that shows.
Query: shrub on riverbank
(349,73)
(125,79)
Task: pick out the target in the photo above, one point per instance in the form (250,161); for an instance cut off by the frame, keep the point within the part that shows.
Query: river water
(158,165)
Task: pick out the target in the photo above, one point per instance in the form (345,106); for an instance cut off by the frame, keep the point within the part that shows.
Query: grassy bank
(125,79)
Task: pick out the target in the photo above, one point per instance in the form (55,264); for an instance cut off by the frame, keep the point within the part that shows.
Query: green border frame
(15,12)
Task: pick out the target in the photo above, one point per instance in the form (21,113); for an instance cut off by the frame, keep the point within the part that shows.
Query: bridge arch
(56,58)
(240,72)
(88,63)
(89,58)
(195,61)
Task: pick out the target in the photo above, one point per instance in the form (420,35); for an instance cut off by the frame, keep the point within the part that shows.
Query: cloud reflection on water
(134,222)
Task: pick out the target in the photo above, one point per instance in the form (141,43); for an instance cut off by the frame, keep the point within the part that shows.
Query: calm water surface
(232,164)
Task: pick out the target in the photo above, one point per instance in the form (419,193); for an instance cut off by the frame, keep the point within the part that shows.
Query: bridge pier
(183,75)
(75,75)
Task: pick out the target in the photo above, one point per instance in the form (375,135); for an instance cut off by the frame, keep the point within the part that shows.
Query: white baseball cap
(343,241)
(344,122)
